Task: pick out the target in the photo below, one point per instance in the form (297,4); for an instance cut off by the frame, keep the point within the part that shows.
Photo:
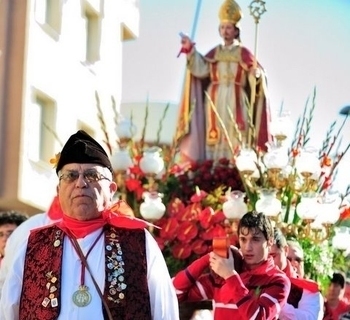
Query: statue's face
(227,31)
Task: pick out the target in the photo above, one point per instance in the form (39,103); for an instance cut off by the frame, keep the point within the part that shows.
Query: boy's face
(254,246)
(335,291)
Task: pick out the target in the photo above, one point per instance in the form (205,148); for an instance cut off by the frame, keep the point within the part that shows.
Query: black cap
(82,148)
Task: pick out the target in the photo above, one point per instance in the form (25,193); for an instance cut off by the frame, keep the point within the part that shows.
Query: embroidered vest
(126,287)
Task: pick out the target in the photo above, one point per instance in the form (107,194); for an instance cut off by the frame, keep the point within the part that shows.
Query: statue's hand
(186,42)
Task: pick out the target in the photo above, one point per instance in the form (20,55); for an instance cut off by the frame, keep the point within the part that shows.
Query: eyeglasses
(89,176)
(297,259)
(5,234)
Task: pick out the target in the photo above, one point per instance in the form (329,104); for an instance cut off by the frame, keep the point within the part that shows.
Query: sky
(302,44)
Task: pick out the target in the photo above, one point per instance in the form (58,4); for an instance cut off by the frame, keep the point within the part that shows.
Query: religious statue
(224,98)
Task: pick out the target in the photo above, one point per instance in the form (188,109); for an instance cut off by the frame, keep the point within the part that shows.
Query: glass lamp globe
(121,160)
(281,126)
(329,211)
(151,162)
(246,161)
(268,204)
(307,163)
(152,208)
(341,239)
(308,207)
(235,207)
(125,131)
(276,158)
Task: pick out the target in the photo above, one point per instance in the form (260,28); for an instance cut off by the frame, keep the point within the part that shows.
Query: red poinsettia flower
(168,228)
(199,247)
(174,207)
(206,217)
(218,217)
(190,212)
(181,251)
(198,196)
(187,231)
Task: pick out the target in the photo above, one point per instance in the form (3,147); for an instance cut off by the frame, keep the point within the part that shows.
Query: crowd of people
(88,258)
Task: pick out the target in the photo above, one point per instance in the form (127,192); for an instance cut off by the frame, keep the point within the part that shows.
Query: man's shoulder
(49,225)
(272,275)
(22,232)
(275,275)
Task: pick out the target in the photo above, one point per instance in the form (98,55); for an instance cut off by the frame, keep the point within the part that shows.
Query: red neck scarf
(119,215)
(55,211)
(309,285)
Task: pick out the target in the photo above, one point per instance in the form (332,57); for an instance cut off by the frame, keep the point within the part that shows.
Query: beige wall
(37,60)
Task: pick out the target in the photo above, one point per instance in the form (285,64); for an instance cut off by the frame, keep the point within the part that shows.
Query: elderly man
(305,301)
(93,264)
(296,257)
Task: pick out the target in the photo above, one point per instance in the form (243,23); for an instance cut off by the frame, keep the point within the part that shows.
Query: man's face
(254,246)
(5,232)
(335,291)
(296,261)
(279,255)
(82,197)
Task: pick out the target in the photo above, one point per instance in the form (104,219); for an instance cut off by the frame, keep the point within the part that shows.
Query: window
(93,35)
(42,118)
(49,14)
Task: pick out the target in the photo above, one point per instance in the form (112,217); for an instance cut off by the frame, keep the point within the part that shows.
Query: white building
(54,57)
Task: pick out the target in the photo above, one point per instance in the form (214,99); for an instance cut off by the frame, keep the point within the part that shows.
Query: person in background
(335,305)
(305,301)
(296,257)
(9,221)
(21,233)
(260,291)
(229,77)
(57,273)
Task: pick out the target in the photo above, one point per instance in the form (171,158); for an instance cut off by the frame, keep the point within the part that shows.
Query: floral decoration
(194,193)
(187,230)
